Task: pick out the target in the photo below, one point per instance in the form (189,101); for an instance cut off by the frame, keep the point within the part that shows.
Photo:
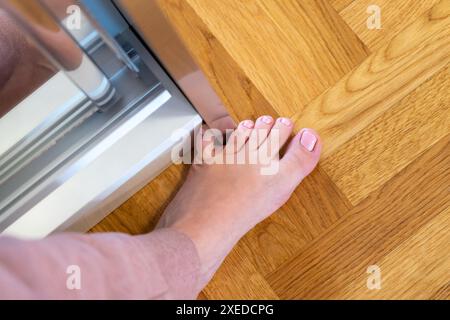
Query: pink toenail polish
(308,140)
(248,124)
(286,121)
(267,119)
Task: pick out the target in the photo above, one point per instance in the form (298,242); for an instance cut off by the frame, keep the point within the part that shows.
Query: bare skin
(218,204)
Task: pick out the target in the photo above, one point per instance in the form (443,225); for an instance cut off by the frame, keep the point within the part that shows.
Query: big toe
(302,154)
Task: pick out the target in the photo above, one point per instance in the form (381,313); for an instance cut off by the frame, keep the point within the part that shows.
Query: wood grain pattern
(239,95)
(414,269)
(380,193)
(375,227)
(247,282)
(388,75)
(443,293)
(278,46)
(395,15)
(339,5)
(393,140)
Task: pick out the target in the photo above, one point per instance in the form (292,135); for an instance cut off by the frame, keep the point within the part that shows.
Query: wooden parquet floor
(380,100)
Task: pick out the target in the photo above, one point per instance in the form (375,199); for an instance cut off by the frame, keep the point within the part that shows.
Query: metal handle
(109,40)
(60,48)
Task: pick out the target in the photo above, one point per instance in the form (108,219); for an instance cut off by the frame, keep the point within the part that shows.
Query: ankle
(212,245)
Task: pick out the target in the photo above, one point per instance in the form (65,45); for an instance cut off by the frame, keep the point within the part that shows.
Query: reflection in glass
(22,67)
(61,48)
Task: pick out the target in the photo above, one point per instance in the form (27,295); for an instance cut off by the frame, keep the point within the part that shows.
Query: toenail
(267,119)
(248,124)
(308,140)
(286,121)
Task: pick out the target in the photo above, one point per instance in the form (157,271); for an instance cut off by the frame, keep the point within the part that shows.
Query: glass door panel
(71,74)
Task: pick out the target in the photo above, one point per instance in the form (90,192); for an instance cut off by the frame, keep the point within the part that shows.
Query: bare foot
(218,204)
